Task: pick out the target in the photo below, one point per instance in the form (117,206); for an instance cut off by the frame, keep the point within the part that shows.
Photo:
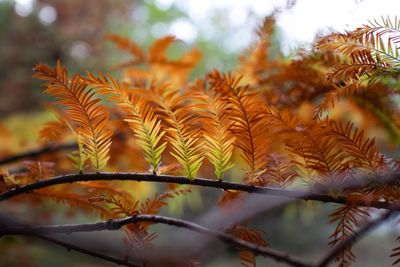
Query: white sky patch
(184,30)
(164,4)
(24,8)
(237,16)
(47,15)
(298,25)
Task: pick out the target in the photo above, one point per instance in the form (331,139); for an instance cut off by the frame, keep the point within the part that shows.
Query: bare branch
(38,152)
(225,185)
(85,251)
(52,148)
(8,223)
(331,254)
(115,224)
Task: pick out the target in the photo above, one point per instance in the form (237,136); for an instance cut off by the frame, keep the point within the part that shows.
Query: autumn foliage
(300,128)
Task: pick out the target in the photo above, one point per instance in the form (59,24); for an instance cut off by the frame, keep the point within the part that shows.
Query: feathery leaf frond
(83,110)
(140,116)
(318,152)
(396,253)
(182,132)
(216,130)
(157,51)
(251,235)
(72,200)
(371,52)
(128,45)
(363,151)
(249,124)
(348,218)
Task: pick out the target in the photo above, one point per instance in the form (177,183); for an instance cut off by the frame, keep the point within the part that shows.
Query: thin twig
(85,251)
(38,152)
(9,223)
(336,250)
(115,224)
(225,185)
(52,148)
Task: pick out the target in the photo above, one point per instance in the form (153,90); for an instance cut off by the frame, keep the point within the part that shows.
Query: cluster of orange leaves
(271,120)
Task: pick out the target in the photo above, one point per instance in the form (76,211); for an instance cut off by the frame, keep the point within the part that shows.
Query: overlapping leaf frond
(348,219)
(152,206)
(318,152)
(283,121)
(385,25)
(137,235)
(72,200)
(128,45)
(37,170)
(366,50)
(363,151)
(183,130)
(257,63)
(218,139)
(353,87)
(140,116)
(280,171)
(157,51)
(53,131)
(251,235)
(158,65)
(396,253)
(371,52)
(83,110)
(249,124)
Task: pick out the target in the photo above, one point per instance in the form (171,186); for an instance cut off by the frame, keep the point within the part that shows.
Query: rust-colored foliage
(88,116)
(249,124)
(137,235)
(348,219)
(273,122)
(251,235)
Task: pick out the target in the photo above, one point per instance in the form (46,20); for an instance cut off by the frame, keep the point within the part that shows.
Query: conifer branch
(38,152)
(101,256)
(225,185)
(115,224)
(7,222)
(48,149)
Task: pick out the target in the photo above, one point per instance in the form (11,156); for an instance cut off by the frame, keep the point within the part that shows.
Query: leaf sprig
(85,112)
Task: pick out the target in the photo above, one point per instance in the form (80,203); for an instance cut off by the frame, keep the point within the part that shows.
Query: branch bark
(8,223)
(38,152)
(225,185)
(115,224)
(85,251)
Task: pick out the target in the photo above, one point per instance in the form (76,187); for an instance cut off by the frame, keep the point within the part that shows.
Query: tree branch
(52,148)
(8,223)
(225,185)
(331,254)
(115,224)
(85,251)
(38,152)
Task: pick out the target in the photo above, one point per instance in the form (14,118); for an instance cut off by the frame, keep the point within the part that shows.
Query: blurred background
(33,31)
